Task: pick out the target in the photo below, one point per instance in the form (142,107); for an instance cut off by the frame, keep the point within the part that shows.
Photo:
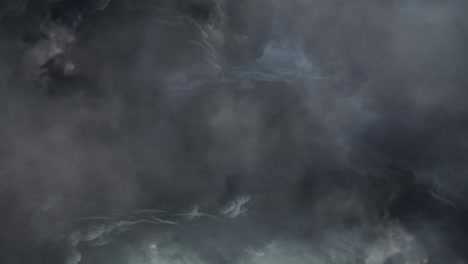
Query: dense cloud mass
(233,131)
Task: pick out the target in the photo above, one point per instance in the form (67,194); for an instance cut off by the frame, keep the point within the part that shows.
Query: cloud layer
(249,131)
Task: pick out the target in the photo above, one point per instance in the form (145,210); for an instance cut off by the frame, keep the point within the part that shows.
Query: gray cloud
(137,131)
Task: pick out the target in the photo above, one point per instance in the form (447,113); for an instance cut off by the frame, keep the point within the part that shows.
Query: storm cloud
(247,131)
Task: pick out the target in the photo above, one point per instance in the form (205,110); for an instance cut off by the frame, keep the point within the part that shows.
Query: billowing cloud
(248,131)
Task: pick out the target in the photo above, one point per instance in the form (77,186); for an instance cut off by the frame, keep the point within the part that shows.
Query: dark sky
(233,131)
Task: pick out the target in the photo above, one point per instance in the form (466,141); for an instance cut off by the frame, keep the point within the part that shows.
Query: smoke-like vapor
(247,131)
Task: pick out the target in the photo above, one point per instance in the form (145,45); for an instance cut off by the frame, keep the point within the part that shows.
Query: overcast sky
(233,131)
